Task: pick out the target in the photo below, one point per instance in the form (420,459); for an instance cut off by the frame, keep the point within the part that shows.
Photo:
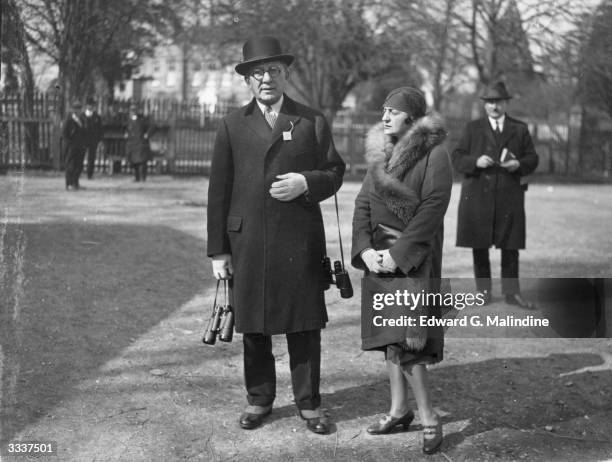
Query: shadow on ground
(73,295)
(511,393)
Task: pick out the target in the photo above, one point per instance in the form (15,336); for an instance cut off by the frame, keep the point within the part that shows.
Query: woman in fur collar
(397,240)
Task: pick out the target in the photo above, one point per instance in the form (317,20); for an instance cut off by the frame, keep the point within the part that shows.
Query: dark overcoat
(412,197)
(492,203)
(277,247)
(74,141)
(137,146)
(93,127)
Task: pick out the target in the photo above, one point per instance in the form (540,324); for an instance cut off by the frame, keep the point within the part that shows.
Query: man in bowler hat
(494,154)
(274,160)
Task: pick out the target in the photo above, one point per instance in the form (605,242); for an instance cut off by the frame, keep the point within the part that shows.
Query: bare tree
(18,69)
(13,53)
(431,28)
(503,33)
(87,37)
(337,46)
(596,58)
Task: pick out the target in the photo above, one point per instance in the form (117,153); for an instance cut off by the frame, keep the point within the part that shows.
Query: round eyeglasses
(258,73)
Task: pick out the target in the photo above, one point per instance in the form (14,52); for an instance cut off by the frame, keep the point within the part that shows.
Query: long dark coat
(93,127)
(137,146)
(276,247)
(74,140)
(410,194)
(492,204)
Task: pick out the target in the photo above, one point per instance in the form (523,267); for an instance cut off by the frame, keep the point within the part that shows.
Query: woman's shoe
(434,440)
(387,424)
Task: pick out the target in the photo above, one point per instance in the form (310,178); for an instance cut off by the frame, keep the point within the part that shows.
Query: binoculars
(221,321)
(338,276)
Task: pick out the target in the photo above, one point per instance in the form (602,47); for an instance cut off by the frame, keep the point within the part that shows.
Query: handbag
(384,236)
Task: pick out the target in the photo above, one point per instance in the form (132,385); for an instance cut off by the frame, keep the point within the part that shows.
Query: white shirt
(275,107)
(499,122)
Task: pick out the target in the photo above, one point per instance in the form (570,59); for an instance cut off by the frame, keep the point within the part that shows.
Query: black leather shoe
(516,299)
(249,421)
(434,438)
(389,423)
(319,425)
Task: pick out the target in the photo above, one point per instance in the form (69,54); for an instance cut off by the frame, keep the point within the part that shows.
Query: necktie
(497,130)
(270,116)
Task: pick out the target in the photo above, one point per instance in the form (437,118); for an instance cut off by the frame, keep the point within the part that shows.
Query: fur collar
(389,162)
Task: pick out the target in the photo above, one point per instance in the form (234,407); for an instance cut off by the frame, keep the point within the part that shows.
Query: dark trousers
(140,171)
(304,361)
(91,158)
(509,270)
(74,165)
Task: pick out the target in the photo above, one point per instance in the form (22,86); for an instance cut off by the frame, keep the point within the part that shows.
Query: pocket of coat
(234,223)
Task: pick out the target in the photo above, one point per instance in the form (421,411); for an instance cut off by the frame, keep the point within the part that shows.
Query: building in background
(194,76)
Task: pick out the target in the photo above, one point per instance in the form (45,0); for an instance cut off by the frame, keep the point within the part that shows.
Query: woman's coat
(410,192)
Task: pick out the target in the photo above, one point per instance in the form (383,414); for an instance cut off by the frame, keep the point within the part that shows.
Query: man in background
(137,146)
(93,127)
(494,154)
(74,138)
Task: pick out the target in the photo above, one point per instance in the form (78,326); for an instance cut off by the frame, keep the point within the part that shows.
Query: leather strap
(339,233)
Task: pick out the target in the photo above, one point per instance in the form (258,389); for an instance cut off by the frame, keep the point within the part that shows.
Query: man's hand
(511,165)
(387,262)
(484,161)
(290,186)
(372,260)
(222,266)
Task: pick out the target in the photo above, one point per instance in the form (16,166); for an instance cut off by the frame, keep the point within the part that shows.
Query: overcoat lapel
(486,129)
(287,119)
(284,123)
(256,121)
(507,133)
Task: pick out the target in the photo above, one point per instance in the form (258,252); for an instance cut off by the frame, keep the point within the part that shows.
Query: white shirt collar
(275,107)
(499,121)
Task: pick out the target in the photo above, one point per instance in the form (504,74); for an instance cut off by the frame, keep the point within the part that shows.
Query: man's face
(495,108)
(268,81)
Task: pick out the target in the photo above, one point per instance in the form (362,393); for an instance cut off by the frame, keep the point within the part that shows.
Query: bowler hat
(496,91)
(259,50)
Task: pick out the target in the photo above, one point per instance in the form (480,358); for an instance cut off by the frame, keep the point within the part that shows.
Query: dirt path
(105,293)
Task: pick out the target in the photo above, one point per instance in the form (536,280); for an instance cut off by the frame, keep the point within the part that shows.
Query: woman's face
(394,122)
